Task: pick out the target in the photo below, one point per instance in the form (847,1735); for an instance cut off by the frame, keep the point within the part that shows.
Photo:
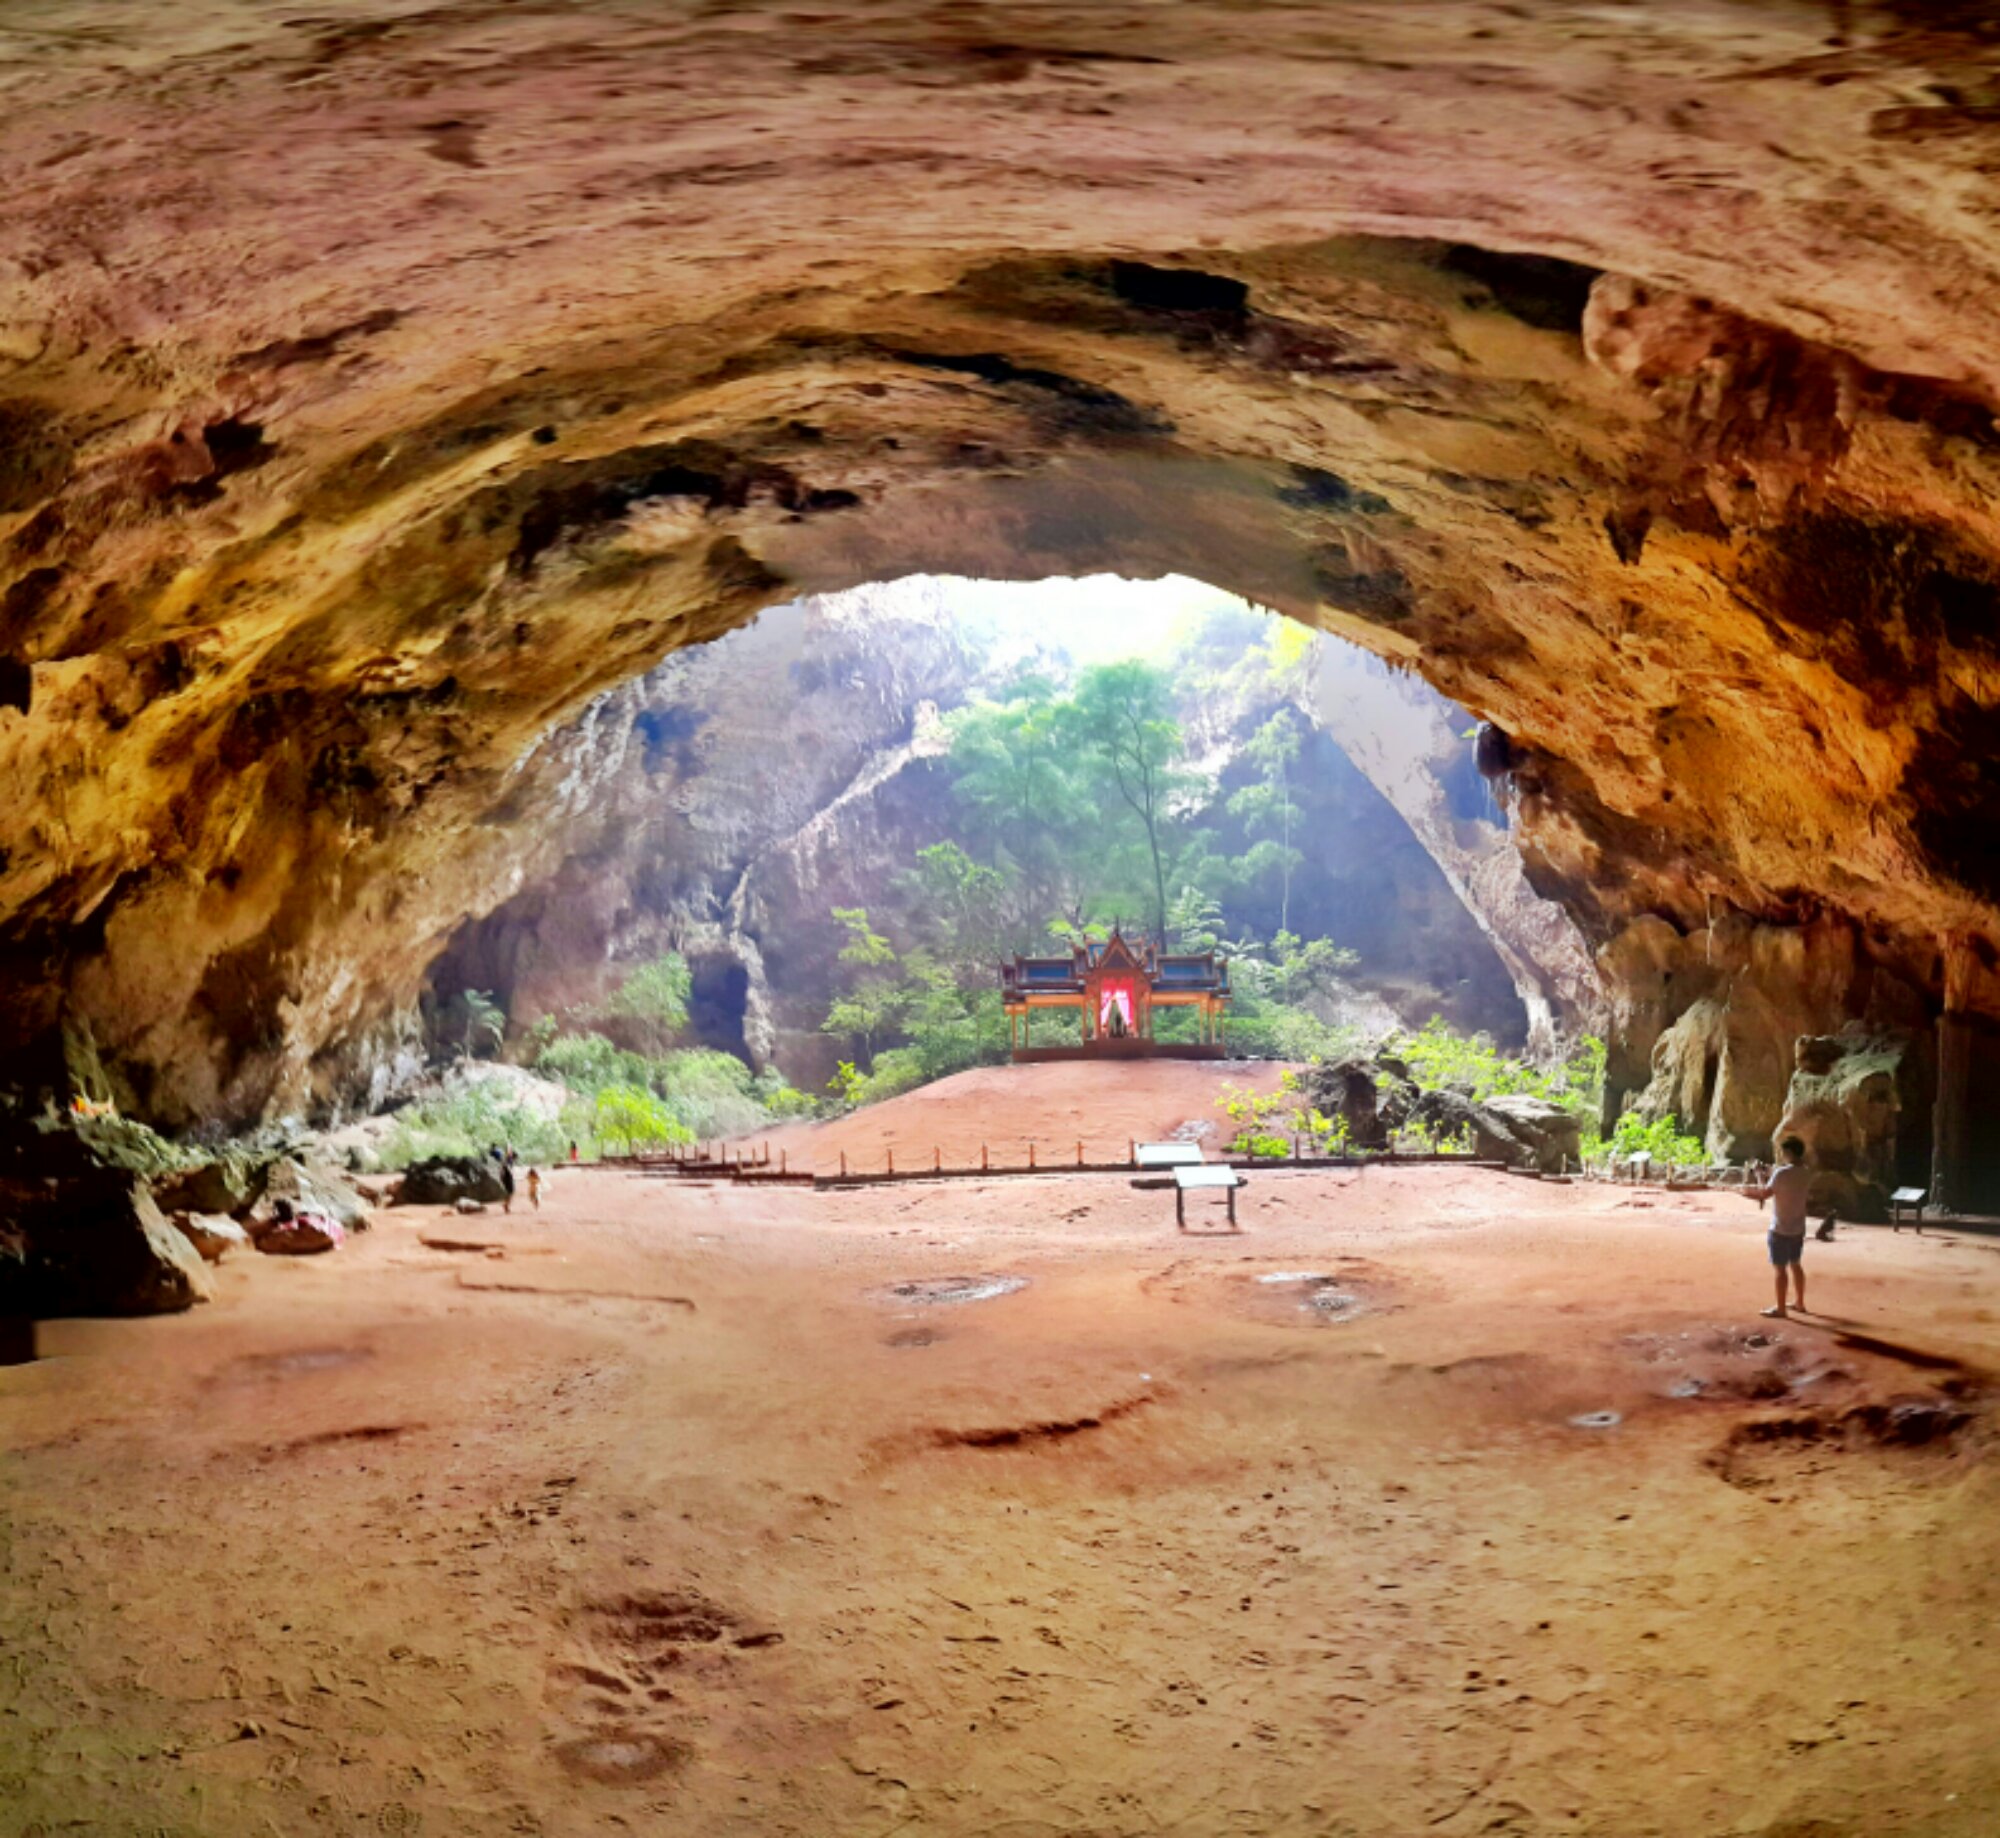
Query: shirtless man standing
(1786,1190)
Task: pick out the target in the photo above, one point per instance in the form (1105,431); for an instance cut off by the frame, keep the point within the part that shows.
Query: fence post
(892,1161)
(1131,1152)
(937,1159)
(1031,1156)
(982,1158)
(843,1164)
(1079,1155)
(783,1156)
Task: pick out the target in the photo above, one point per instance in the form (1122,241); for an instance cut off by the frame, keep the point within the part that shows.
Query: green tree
(1302,971)
(636,1117)
(1026,794)
(1122,715)
(1268,806)
(873,1002)
(960,902)
(654,997)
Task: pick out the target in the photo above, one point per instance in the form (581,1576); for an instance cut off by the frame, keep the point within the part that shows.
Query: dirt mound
(1106,1105)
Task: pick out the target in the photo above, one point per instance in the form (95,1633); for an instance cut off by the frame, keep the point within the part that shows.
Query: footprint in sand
(634,1658)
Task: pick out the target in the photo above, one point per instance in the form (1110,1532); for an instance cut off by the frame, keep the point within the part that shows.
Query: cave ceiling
(380,384)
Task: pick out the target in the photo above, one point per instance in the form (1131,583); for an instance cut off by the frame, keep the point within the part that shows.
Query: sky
(1097,618)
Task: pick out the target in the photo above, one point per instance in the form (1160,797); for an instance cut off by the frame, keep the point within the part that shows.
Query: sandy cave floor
(678,1510)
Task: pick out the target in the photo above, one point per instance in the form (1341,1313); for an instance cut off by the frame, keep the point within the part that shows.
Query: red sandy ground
(1104,1106)
(668,1515)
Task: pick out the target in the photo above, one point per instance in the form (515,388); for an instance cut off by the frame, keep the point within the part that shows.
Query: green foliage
(631,1117)
(960,906)
(782,1102)
(709,1094)
(1122,716)
(1662,1138)
(1267,1121)
(863,946)
(590,1062)
(713,1094)
(472,1119)
(1421,1138)
(1441,1059)
(1267,806)
(654,997)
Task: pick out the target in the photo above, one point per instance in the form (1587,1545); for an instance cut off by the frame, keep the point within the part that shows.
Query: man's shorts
(1786,1247)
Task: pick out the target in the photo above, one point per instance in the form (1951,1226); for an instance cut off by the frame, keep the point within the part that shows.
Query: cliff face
(753,793)
(380,387)
(1414,749)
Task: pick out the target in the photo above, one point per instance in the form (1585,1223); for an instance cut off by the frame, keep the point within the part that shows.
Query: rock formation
(379,387)
(1846,1103)
(1410,743)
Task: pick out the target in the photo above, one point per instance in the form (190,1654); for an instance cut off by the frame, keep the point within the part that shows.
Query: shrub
(1264,1119)
(589,1062)
(1440,1059)
(711,1093)
(1662,1138)
(635,1118)
(470,1121)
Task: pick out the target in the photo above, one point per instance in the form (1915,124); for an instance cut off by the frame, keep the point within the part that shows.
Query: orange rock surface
(378,386)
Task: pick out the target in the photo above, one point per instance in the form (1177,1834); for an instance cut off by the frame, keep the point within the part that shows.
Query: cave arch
(345,465)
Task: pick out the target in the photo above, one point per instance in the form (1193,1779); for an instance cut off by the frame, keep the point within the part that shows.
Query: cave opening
(910,770)
(435,444)
(718,998)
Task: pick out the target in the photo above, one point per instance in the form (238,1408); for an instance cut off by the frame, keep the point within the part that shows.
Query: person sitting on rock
(1786,1190)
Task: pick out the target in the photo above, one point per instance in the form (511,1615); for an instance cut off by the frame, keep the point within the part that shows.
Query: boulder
(299,1237)
(95,1244)
(1551,1136)
(229,1183)
(1346,1089)
(1452,1116)
(357,1146)
(445,1179)
(1520,1131)
(211,1234)
(314,1187)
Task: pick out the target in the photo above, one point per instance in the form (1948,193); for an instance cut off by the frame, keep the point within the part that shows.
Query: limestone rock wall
(747,805)
(1848,1102)
(1709,1025)
(1411,744)
(1629,373)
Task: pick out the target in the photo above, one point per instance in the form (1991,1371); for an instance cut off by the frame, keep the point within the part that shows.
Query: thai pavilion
(1117,985)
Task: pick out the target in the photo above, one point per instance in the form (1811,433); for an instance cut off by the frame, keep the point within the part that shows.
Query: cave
(717,1003)
(309,630)
(389,395)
